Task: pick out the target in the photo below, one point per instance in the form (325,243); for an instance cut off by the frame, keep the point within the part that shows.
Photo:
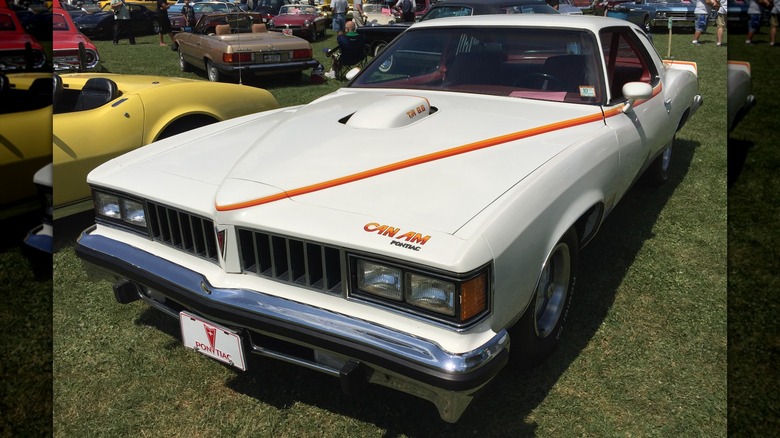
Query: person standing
(189,15)
(755,10)
(774,21)
(357,12)
(407,8)
(164,22)
(339,14)
(721,20)
(702,13)
(122,21)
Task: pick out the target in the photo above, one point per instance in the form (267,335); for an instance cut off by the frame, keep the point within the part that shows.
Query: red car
(18,49)
(66,43)
(303,21)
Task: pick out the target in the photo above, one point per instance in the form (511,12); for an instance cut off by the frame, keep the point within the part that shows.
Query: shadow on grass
(505,405)
(737,154)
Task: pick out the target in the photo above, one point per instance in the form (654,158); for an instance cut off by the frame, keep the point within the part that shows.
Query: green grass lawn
(645,354)
(754,260)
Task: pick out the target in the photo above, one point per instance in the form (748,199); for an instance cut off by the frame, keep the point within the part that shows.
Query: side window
(626,61)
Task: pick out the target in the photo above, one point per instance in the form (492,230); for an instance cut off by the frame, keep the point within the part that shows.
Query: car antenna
(238,41)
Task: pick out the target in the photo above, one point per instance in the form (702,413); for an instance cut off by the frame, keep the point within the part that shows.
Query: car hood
(376,153)
(93,18)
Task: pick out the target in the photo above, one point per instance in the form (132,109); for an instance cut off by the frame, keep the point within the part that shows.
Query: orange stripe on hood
(434,156)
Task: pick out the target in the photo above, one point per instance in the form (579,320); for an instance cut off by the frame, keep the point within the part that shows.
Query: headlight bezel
(458,280)
(122,220)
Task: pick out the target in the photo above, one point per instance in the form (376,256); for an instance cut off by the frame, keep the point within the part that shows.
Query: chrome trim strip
(127,261)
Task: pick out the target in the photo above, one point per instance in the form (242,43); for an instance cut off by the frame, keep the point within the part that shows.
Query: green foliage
(645,353)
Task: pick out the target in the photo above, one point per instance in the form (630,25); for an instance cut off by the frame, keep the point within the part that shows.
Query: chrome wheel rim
(666,158)
(552,290)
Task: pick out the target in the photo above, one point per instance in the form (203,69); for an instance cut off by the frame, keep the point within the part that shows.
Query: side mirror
(634,91)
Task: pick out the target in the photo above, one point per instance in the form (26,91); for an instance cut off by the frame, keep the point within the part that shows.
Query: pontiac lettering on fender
(412,238)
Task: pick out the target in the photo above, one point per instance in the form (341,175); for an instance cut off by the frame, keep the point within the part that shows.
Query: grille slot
(183,231)
(294,261)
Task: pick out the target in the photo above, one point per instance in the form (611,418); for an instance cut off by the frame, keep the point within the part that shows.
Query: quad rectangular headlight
(455,299)
(119,208)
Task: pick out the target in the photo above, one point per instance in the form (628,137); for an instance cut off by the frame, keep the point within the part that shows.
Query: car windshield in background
(297,10)
(544,64)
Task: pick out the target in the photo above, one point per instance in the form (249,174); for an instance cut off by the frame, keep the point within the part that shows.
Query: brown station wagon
(239,43)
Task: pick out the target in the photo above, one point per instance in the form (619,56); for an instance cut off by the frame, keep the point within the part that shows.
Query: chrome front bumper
(355,350)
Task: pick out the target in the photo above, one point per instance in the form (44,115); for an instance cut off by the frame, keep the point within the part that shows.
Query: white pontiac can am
(440,216)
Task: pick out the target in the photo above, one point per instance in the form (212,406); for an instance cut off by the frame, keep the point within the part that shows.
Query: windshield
(533,63)
(297,9)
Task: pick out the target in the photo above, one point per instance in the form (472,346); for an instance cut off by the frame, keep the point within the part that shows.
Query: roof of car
(589,22)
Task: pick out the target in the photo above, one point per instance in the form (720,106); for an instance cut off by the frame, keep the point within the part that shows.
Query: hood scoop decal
(393,111)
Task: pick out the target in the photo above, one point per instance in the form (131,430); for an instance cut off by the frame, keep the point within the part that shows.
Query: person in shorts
(755,10)
(721,21)
(164,22)
(702,13)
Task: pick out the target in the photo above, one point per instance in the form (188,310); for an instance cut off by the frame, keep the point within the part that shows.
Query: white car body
(740,99)
(437,182)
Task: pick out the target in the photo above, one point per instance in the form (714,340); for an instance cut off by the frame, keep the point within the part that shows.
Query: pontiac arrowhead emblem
(211,333)
(221,240)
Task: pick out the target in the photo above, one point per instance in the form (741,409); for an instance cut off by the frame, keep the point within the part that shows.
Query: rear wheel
(213,72)
(646,25)
(539,330)
(658,172)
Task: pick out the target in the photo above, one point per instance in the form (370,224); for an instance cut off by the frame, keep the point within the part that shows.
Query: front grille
(293,261)
(183,231)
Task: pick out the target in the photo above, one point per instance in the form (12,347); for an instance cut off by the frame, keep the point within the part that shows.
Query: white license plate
(287,32)
(212,340)
(271,57)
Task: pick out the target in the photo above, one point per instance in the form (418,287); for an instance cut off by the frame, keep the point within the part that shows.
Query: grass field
(754,261)
(645,355)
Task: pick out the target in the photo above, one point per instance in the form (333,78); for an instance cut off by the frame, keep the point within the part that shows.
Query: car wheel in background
(658,172)
(539,330)
(183,65)
(156,27)
(212,71)
(646,25)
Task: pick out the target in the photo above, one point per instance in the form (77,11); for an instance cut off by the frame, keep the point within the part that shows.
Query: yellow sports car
(25,132)
(100,116)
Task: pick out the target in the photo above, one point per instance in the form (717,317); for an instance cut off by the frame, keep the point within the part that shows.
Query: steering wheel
(547,80)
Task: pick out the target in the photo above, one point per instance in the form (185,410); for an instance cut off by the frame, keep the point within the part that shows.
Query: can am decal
(408,240)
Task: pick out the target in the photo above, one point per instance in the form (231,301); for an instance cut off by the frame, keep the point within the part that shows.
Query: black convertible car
(377,37)
(100,25)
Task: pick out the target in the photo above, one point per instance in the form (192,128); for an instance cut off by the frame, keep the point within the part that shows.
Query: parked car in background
(25,127)
(100,25)
(40,239)
(740,98)
(342,253)
(377,37)
(586,6)
(656,13)
(71,49)
(300,20)
(379,13)
(229,45)
(201,8)
(18,49)
(567,7)
(100,116)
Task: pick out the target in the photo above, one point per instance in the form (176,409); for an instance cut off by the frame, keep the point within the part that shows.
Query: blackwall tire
(538,332)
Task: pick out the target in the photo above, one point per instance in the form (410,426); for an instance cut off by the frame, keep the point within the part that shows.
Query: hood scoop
(394,111)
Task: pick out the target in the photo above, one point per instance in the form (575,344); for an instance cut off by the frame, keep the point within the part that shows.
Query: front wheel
(212,71)
(183,65)
(539,330)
